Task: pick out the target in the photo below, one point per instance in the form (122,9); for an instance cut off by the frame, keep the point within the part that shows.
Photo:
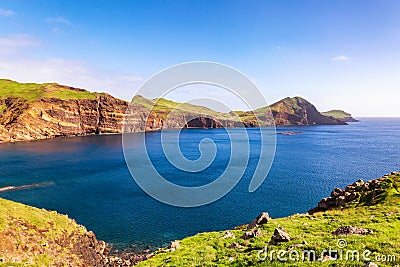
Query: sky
(336,54)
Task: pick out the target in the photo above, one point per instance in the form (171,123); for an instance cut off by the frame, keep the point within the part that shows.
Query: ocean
(87,178)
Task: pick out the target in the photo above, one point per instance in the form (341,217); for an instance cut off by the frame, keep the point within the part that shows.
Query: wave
(24,187)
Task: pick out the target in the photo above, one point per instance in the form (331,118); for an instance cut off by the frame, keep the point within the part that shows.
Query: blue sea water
(87,178)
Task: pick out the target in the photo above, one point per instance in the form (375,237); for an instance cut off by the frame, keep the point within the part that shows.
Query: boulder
(228,234)
(279,236)
(261,219)
(252,233)
(352,230)
(174,245)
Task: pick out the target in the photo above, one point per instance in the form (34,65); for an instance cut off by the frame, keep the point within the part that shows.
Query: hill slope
(38,111)
(374,213)
(38,237)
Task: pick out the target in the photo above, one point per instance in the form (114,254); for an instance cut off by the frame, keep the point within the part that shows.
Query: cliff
(36,237)
(39,111)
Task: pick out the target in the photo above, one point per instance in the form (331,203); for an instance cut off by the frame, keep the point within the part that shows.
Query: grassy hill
(164,106)
(339,114)
(34,91)
(307,232)
(37,237)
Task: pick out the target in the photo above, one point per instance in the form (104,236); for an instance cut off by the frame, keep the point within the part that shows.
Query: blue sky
(337,54)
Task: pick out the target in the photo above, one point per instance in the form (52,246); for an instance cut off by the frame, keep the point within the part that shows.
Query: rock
(341,200)
(352,230)
(252,233)
(279,236)
(327,258)
(228,234)
(174,245)
(261,219)
(370,264)
(235,246)
(337,192)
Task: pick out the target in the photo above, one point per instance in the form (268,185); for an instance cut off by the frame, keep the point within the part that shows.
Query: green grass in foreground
(21,220)
(309,232)
(33,91)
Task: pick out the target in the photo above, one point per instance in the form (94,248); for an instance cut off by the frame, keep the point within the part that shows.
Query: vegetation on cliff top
(29,235)
(340,114)
(307,232)
(33,91)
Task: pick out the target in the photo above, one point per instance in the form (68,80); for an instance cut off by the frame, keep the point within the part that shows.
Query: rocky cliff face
(52,117)
(298,111)
(34,111)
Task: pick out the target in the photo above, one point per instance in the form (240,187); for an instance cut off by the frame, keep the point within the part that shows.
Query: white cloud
(6,13)
(17,43)
(18,40)
(60,20)
(340,58)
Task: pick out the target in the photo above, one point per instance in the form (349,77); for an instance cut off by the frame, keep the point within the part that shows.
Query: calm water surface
(87,178)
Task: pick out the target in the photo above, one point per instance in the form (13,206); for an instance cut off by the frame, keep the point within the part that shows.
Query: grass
(312,232)
(37,217)
(33,91)
(42,227)
(338,114)
(163,107)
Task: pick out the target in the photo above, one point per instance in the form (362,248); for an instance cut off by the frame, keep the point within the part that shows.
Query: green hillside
(164,106)
(377,210)
(33,91)
(339,114)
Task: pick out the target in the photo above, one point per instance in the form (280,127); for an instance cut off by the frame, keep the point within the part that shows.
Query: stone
(174,245)
(279,236)
(352,230)
(228,234)
(370,264)
(252,233)
(235,246)
(261,219)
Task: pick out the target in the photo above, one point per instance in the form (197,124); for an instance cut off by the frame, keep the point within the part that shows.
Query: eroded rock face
(52,117)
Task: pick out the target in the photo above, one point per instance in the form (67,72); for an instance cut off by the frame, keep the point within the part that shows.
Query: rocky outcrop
(360,192)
